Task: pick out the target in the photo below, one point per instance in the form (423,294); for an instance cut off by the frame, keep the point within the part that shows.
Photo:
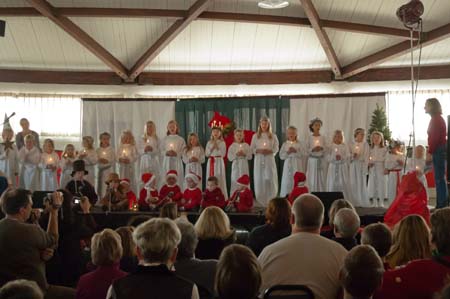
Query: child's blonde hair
(30,137)
(188,143)
(89,142)
(372,145)
(176,124)
(218,129)
(127,133)
(423,149)
(292,128)
(238,131)
(66,148)
(336,132)
(269,131)
(147,125)
(50,142)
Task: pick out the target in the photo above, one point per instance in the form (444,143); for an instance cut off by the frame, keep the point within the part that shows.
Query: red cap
(194,177)
(244,180)
(172,173)
(147,177)
(125,181)
(299,177)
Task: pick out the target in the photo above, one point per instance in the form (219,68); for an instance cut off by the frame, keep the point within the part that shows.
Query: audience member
(156,243)
(328,232)
(21,289)
(214,233)
(423,278)
(78,186)
(362,273)
(305,257)
(169,210)
(25,247)
(106,252)
(135,221)
(411,241)
(201,272)
(346,225)
(238,273)
(379,236)
(129,261)
(278,225)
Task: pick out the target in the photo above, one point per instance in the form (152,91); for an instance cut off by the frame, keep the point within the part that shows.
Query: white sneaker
(374,202)
(381,203)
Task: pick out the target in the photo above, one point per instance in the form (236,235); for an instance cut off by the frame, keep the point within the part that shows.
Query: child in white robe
(89,156)
(171,148)
(292,152)
(216,150)
(419,165)
(316,149)
(194,157)
(66,165)
(106,162)
(29,157)
(376,188)
(48,166)
(338,157)
(127,155)
(359,161)
(150,154)
(9,156)
(239,153)
(265,146)
(394,169)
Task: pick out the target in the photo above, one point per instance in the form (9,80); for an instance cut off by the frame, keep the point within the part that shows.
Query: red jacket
(418,279)
(213,198)
(131,199)
(95,284)
(143,196)
(192,198)
(245,201)
(176,197)
(296,192)
(437,133)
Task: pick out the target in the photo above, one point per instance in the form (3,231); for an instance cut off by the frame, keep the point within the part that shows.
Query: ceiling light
(273,4)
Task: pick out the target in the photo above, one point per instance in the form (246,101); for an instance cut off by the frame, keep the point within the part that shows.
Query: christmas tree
(379,123)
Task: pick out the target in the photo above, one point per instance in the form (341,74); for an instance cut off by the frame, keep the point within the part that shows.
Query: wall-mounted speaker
(2,28)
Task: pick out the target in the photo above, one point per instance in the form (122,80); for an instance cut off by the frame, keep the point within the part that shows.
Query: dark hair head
(435,106)
(440,232)
(278,213)
(379,236)
(213,179)
(169,210)
(15,199)
(21,289)
(136,220)
(313,121)
(126,237)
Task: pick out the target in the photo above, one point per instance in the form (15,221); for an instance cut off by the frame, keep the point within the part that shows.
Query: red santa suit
(147,192)
(299,187)
(242,200)
(192,197)
(132,199)
(170,193)
(213,198)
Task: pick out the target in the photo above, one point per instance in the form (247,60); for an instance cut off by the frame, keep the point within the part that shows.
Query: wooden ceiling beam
(51,12)
(208,15)
(194,11)
(313,17)
(394,51)
(402,73)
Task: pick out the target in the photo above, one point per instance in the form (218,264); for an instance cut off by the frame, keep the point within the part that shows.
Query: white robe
(194,167)
(239,165)
(104,169)
(90,161)
(49,179)
(29,172)
(66,165)
(9,163)
(395,175)
(127,171)
(377,179)
(265,176)
(150,161)
(358,173)
(177,144)
(337,177)
(421,166)
(292,163)
(317,164)
(218,170)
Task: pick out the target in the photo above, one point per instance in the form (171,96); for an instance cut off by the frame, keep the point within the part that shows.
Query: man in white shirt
(305,257)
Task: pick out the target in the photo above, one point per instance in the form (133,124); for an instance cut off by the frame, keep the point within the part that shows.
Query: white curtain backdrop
(345,113)
(115,116)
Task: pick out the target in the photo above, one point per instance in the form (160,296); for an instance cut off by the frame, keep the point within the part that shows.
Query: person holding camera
(80,187)
(26,247)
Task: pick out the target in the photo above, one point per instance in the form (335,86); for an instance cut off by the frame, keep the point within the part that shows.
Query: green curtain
(194,115)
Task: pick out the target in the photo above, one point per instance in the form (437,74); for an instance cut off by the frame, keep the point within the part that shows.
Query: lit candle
(316,142)
(192,153)
(103,154)
(356,149)
(264,145)
(171,146)
(370,158)
(124,153)
(50,160)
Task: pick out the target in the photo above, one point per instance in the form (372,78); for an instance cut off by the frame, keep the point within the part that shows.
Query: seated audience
(362,273)
(200,272)
(328,232)
(379,236)
(129,261)
(78,186)
(25,247)
(238,273)
(214,233)
(106,252)
(169,210)
(305,257)
(278,225)
(346,225)
(156,242)
(411,241)
(426,277)
(21,289)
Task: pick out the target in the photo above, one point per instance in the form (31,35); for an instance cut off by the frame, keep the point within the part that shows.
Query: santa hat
(125,181)
(194,177)
(299,179)
(173,173)
(244,180)
(147,178)
(6,124)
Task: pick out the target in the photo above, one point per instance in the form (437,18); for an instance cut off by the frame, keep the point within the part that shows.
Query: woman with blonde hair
(411,241)
(214,233)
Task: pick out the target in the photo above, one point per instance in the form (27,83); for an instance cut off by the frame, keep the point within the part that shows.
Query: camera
(76,200)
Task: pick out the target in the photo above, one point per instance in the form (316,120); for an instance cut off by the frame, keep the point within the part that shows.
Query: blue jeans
(439,177)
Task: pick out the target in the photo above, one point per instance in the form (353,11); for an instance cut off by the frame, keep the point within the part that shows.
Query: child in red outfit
(129,194)
(242,198)
(192,196)
(170,192)
(148,196)
(299,187)
(213,195)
